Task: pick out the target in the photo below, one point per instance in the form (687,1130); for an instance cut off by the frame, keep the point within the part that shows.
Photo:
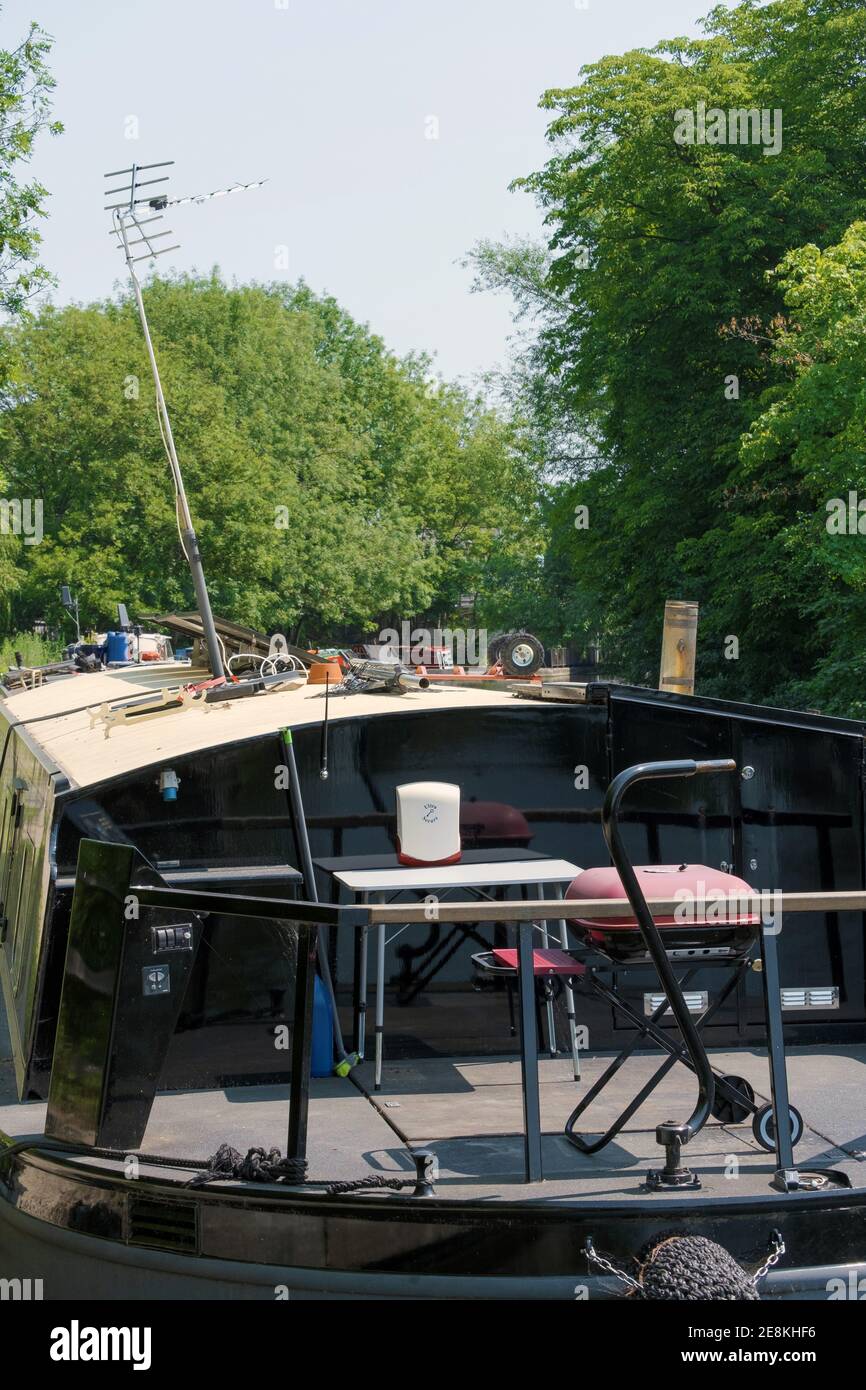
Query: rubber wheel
(521,654)
(494,647)
(728,1110)
(764,1127)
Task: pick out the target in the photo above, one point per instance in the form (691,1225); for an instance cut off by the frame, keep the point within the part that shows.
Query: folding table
(476,876)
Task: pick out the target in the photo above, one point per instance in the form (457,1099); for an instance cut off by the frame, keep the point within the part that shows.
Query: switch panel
(177,938)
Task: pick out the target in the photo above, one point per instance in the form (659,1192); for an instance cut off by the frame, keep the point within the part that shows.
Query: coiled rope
(270,1166)
(676,1268)
(688,1269)
(258,1165)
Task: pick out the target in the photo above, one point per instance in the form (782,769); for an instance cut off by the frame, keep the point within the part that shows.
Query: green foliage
(25,89)
(793,551)
(656,288)
(332,485)
(35,651)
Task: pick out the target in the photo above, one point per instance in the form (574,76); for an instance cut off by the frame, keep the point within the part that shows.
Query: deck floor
(469,1113)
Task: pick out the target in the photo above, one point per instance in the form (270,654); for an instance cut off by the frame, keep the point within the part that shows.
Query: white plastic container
(428,823)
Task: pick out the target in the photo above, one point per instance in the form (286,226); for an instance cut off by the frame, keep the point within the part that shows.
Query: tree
(25,88)
(25,102)
(655,310)
(792,554)
(332,484)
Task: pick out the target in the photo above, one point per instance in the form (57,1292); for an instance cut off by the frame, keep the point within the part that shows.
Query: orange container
(328,672)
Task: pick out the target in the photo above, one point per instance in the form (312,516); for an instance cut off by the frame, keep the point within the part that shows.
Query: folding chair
(721,936)
(549,967)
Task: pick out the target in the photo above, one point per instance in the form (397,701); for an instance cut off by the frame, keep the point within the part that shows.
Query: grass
(35,651)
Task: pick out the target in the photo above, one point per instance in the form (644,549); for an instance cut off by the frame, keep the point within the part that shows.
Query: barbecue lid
(689,882)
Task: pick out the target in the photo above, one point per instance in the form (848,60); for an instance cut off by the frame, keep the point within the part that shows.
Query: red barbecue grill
(720,934)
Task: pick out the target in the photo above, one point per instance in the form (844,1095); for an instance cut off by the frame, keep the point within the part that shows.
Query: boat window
(230,811)
(20,900)
(11,816)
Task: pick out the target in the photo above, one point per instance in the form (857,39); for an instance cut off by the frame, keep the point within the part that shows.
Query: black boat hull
(87,1232)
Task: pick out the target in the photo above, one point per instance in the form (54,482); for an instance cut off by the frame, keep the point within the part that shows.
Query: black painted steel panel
(800,818)
(119,1004)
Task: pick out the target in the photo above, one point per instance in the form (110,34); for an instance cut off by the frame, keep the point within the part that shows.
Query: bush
(35,650)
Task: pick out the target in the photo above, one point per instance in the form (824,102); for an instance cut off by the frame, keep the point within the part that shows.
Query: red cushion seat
(544,961)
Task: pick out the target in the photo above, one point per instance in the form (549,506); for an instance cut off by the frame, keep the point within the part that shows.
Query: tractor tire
(521,655)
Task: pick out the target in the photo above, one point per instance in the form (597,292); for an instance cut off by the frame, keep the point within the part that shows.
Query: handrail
(528,910)
(684,767)
(244,905)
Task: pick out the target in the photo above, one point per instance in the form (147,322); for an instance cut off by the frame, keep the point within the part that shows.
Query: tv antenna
(132,215)
(71,606)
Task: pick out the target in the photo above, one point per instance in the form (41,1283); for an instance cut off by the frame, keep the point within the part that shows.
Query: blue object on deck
(117,645)
(323,1032)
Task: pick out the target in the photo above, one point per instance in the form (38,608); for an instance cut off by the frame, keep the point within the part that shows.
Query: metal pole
(302,1045)
(360,1042)
(551,1015)
(786,1174)
(569,993)
(529,1054)
(308,869)
(380,1001)
(188,536)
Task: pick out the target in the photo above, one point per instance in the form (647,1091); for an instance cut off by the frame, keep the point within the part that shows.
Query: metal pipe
(302,1047)
(407,680)
(532,1156)
(686,767)
(772,987)
(389,674)
(188,536)
(309,872)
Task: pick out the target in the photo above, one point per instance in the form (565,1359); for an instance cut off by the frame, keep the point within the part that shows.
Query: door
(802,829)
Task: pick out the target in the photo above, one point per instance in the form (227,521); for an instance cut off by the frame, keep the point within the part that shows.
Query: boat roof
(77,746)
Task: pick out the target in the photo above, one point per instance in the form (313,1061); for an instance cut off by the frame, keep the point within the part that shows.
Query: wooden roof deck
(82,751)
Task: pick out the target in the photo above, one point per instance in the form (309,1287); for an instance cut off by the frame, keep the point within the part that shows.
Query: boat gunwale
(222,1191)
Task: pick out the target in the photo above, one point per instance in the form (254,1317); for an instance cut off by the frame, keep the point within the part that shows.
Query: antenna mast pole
(189,540)
(126,218)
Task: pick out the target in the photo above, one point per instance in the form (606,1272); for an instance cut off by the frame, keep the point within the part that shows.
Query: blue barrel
(323,1032)
(117,644)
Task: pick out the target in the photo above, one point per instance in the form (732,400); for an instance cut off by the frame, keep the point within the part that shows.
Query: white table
(375,885)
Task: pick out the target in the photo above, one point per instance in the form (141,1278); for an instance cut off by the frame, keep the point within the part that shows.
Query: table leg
(380,999)
(569,993)
(361,994)
(529,1054)
(551,1014)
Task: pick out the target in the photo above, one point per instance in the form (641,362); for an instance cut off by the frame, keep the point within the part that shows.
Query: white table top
(531,872)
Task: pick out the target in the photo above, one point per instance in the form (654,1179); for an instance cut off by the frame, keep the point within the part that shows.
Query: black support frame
(648,1028)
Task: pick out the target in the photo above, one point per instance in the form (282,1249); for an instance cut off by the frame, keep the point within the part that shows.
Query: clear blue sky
(329,99)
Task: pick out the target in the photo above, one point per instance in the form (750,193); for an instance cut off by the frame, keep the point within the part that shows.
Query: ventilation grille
(163,1225)
(696,1001)
(811,997)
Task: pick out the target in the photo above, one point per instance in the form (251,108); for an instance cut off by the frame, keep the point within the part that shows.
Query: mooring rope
(258,1165)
